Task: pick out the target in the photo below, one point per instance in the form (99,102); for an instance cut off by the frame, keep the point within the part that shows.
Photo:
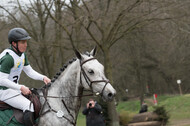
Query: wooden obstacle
(145,119)
(150,123)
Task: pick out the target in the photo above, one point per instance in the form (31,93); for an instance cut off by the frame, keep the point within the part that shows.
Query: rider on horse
(12,61)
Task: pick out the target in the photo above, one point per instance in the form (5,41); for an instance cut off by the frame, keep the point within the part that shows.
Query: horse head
(93,77)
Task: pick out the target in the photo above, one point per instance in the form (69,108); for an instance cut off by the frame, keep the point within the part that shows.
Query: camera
(90,104)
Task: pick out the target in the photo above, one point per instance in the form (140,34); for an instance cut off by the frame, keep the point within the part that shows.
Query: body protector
(19,62)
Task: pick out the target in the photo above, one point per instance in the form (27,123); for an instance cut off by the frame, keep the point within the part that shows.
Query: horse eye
(91,71)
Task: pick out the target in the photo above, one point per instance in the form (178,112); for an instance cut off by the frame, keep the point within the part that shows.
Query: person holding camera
(93,112)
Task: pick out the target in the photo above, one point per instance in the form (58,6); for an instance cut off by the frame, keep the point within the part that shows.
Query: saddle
(18,114)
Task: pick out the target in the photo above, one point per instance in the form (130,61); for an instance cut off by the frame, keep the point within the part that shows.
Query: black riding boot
(28,118)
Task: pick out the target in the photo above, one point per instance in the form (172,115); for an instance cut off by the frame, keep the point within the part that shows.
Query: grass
(81,121)
(177,106)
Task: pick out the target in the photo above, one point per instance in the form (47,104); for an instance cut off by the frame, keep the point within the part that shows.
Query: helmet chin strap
(16,48)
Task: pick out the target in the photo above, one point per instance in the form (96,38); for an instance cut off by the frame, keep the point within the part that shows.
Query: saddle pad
(6,112)
(5,115)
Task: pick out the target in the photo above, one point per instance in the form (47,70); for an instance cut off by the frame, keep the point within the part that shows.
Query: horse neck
(67,85)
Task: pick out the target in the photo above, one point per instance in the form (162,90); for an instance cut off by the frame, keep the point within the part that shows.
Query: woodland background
(143,44)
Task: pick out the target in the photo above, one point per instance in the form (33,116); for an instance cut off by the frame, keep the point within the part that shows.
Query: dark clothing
(144,108)
(94,116)
(142,111)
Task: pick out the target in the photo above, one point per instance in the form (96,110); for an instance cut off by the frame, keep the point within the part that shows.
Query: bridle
(88,81)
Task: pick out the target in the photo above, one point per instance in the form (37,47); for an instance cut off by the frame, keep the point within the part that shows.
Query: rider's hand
(25,90)
(46,80)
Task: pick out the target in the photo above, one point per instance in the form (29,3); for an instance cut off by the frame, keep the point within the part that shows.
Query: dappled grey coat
(94,116)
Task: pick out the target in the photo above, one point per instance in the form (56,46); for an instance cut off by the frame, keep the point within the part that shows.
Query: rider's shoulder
(7,57)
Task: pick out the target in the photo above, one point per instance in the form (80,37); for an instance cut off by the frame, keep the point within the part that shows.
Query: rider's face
(22,45)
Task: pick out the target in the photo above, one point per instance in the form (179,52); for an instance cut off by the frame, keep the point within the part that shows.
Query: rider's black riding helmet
(17,34)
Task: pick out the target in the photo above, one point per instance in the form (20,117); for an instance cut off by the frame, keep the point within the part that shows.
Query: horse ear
(93,52)
(78,55)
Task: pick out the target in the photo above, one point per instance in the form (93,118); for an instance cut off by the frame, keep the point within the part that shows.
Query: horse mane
(63,69)
(66,65)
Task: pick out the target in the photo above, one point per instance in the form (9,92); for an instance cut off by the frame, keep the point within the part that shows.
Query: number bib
(18,65)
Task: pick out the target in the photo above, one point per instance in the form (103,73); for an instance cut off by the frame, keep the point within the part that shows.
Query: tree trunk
(111,111)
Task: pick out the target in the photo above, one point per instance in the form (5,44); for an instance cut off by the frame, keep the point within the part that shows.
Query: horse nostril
(110,95)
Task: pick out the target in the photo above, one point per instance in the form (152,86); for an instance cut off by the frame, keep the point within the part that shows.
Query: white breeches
(15,99)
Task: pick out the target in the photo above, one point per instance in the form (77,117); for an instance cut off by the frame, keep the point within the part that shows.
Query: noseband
(87,79)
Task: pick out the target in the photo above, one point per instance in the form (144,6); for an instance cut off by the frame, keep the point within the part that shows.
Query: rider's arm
(32,73)
(4,81)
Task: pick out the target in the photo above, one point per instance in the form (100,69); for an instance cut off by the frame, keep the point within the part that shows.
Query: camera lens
(90,104)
